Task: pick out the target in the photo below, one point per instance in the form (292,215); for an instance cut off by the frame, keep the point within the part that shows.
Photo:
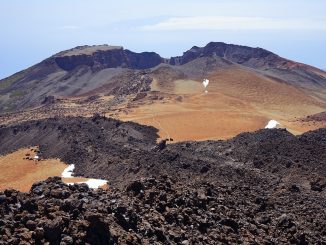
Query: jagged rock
(294,188)
(317,185)
(161,145)
(98,231)
(135,187)
(53,229)
(231,223)
(67,240)
(39,233)
(31,225)
(166,212)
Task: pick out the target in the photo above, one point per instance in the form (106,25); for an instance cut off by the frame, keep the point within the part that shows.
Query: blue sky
(35,29)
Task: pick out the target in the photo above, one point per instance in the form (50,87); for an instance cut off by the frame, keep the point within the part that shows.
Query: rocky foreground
(160,211)
(266,187)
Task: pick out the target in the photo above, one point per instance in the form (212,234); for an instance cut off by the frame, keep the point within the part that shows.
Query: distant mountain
(261,60)
(90,69)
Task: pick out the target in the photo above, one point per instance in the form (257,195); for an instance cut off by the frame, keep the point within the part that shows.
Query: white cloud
(235,23)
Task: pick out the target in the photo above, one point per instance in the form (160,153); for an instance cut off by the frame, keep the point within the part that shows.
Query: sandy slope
(20,174)
(198,117)
(238,100)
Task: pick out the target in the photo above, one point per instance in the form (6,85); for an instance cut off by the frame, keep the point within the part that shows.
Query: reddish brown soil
(19,173)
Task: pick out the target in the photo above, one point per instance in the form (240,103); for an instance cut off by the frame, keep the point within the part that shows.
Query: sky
(33,30)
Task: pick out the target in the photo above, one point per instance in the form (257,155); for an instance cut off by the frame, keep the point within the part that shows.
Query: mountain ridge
(212,48)
(79,65)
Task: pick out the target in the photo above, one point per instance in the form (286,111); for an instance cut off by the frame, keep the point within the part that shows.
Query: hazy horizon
(36,29)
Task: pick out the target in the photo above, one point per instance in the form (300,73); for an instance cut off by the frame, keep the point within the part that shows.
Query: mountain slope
(249,86)
(85,68)
(71,73)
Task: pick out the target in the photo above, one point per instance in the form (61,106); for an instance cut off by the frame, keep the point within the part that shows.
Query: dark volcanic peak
(235,53)
(89,69)
(263,61)
(105,56)
(116,56)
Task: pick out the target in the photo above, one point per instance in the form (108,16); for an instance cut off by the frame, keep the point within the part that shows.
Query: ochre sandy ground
(20,174)
(197,118)
(237,101)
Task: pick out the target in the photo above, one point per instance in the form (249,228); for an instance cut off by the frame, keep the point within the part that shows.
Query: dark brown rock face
(110,59)
(127,59)
(235,53)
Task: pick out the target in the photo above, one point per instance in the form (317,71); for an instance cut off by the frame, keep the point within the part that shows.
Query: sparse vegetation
(17,93)
(7,82)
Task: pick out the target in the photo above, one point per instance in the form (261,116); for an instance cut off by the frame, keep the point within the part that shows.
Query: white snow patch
(92,183)
(272,124)
(205,82)
(96,183)
(67,173)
